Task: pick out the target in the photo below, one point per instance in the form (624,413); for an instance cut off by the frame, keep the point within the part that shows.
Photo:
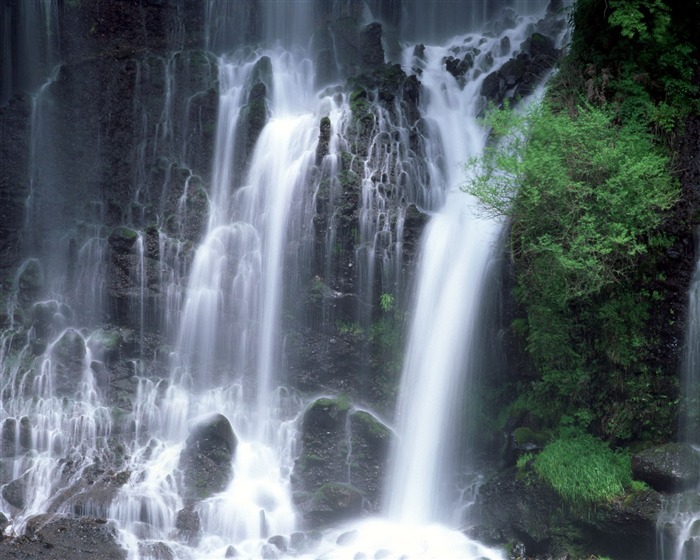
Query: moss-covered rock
(122,239)
(516,506)
(340,447)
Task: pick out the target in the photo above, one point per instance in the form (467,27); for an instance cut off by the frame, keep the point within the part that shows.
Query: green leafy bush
(584,470)
(582,193)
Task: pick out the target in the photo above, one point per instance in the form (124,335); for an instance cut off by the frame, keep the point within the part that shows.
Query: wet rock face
(347,48)
(521,74)
(207,458)
(673,467)
(65,538)
(332,503)
(14,492)
(538,54)
(91,493)
(15,437)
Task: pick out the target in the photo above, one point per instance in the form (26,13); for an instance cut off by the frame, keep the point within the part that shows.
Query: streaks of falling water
(457,248)
(679,524)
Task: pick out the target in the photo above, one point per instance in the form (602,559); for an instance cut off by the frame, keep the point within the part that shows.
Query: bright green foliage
(584,470)
(585,198)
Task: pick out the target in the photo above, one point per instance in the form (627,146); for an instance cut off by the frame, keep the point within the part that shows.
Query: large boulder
(672,467)
(15,492)
(511,508)
(206,462)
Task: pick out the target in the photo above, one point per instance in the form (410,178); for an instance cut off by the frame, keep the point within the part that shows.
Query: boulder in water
(339,446)
(279,541)
(206,460)
(14,492)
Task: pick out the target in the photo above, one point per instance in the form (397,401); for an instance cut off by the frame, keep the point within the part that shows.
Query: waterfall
(456,249)
(153,360)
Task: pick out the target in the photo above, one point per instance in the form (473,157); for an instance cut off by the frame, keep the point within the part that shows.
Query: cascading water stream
(457,246)
(229,329)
